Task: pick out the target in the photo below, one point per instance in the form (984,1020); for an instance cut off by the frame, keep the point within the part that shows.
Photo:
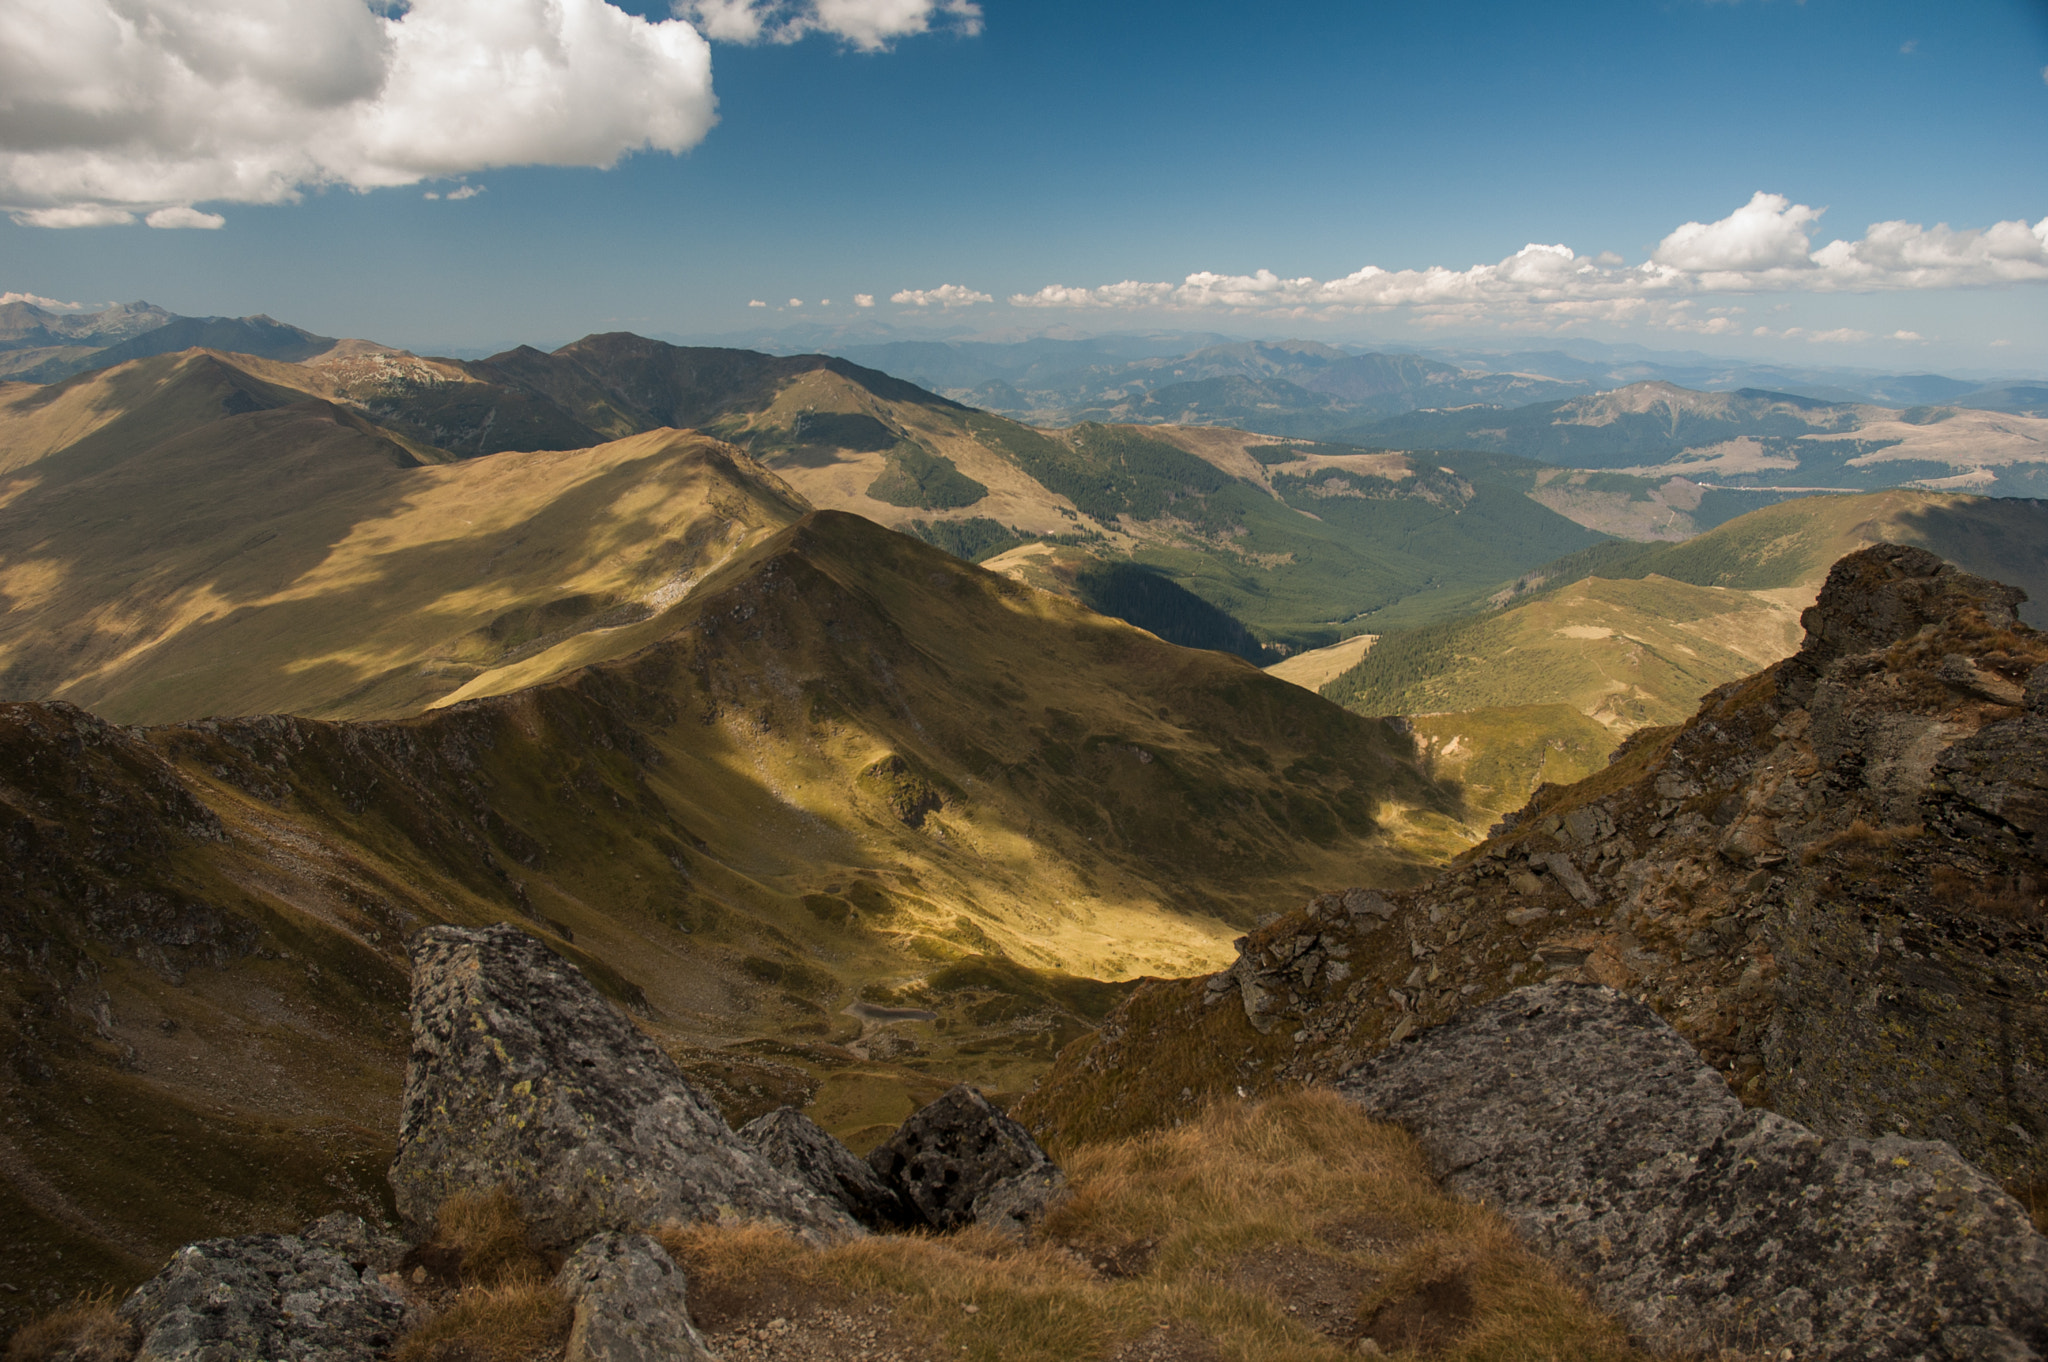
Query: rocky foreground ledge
(524,1080)
(1602,1134)
(1596,1128)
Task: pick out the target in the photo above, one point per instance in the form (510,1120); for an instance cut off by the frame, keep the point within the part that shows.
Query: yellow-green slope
(846,768)
(294,559)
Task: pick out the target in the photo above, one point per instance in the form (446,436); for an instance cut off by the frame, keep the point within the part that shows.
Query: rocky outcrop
(794,1143)
(961,1161)
(522,1076)
(631,1303)
(279,1297)
(1596,1128)
(1831,881)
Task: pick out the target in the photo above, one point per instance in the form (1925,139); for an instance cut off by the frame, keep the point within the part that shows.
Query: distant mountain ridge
(40,346)
(1314,390)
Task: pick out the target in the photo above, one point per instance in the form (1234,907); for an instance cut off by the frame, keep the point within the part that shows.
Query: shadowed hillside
(846,769)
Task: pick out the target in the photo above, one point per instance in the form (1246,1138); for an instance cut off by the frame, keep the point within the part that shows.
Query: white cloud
(868,300)
(46,304)
(74,215)
(182,216)
(1768,232)
(468,191)
(945,295)
(796,302)
(119,107)
(1764,246)
(870,25)
(1907,336)
(756,302)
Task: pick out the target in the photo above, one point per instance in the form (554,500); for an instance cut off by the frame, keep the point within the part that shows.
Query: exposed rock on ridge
(794,1143)
(961,1161)
(522,1076)
(1830,881)
(1595,1127)
(272,1296)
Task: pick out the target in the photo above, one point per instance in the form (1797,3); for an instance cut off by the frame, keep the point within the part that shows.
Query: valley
(681,659)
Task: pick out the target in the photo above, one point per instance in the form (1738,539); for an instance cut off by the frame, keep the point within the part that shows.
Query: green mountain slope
(296,557)
(1748,438)
(848,768)
(1624,636)
(1296,540)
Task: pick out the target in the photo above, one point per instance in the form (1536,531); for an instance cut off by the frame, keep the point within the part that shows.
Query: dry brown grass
(487,1232)
(506,1323)
(1190,1211)
(506,1308)
(87,1331)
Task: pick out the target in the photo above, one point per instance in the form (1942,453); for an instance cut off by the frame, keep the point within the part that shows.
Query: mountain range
(1316,390)
(675,658)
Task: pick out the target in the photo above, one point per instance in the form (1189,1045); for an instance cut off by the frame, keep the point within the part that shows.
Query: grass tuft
(1184,1229)
(488,1232)
(86,1331)
(507,1308)
(507,1323)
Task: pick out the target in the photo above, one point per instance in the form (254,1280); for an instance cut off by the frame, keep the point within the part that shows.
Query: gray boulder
(364,1245)
(277,1297)
(630,1303)
(1601,1133)
(522,1076)
(794,1143)
(960,1150)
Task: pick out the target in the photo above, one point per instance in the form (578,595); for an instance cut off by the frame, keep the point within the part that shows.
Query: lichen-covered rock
(275,1297)
(522,1076)
(364,1245)
(954,1151)
(1015,1205)
(631,1303)
(1600,1132)
(794,1143)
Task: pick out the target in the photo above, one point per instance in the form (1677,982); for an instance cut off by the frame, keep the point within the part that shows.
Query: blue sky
(1050,144)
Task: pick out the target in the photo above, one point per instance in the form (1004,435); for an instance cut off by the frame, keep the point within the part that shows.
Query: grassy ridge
(1630,635)
(847,767)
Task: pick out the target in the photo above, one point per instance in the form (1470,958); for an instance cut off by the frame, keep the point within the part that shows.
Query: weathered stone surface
(794,1143)
(275,1297)
(1015,1205)
(1833,881)
(522,1076)
(364,1245)
(1596,1128)
(631,1303)
(951,1153)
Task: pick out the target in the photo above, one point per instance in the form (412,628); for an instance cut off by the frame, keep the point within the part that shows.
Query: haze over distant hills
(1302,387)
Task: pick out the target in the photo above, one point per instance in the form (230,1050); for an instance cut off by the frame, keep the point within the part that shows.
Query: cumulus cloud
(796,302)
(945,295)
(182,216)
(1764,246)
(756,302)
(119,108)
(1768,232)
(870,25)
(868,300)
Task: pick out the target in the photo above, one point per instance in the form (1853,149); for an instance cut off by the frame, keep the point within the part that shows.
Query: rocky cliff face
(1830,881)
